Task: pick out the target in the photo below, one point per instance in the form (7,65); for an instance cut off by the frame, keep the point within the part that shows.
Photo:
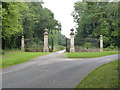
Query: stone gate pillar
(72,49)
(22,43)
(101,43)
(46,41)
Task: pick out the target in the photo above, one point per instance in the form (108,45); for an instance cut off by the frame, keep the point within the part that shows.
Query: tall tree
(96,18)
(25,18)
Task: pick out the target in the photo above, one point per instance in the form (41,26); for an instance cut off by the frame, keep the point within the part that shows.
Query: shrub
(107,49)
(87,45)
(3,52)
(111,47)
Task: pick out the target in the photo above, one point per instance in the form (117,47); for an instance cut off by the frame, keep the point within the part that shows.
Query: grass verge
(105,76)
(89,54)
(17,57)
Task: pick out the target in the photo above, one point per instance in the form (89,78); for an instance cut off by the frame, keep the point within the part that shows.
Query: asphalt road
(51,71)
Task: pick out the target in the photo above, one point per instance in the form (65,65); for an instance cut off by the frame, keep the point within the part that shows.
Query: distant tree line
(97,18)
(58,38)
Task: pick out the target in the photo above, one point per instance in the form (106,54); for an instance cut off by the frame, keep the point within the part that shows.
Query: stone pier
(22,44)
(46,41)
(101,43)
(72,49)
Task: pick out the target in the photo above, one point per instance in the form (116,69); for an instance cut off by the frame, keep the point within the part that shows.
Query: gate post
(101,43)
(46,41)
(66,44)
(72,49)
(22,43)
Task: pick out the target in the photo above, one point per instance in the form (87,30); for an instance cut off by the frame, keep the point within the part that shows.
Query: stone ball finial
(101,35)
(46,30)
(72,33)
(72,29)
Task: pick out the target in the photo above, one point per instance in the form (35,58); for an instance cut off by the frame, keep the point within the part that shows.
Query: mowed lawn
(105,76)
(17,57)
(89,54)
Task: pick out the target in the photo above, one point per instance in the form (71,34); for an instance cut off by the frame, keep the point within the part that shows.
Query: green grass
(89,54)
(16,57)
(105,76)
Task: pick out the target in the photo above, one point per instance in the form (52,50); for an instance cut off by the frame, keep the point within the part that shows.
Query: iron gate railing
(86,44)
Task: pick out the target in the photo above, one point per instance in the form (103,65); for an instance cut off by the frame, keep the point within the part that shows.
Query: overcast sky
(62,10)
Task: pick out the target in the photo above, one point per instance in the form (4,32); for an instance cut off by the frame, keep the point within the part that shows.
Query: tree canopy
(95,19)
(25,18)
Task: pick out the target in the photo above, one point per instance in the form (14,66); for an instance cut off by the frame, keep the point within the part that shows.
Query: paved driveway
(51,71)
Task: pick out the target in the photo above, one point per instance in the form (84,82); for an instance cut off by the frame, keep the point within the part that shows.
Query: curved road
(51,71)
